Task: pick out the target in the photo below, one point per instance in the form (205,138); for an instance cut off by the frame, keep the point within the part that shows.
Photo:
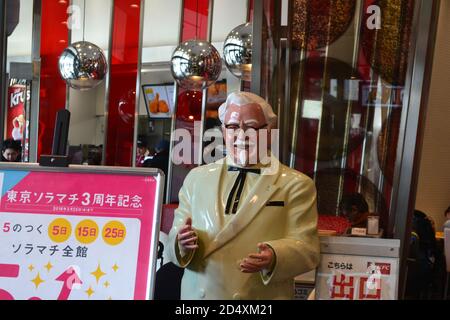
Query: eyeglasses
(246,128)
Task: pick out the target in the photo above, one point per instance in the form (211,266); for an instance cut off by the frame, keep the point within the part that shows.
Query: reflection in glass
(88,125)
(345,92)
(319,23)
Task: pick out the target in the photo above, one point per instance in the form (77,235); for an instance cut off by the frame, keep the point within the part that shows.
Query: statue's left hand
(256,262)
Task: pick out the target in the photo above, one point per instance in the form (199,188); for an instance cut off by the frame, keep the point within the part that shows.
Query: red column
(54,39)
(122,82)
(250,11)
(195,19)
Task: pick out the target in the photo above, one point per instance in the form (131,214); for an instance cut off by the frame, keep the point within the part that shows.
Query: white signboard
(351,277)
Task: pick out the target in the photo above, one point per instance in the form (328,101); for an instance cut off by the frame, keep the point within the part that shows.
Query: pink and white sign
(67,235)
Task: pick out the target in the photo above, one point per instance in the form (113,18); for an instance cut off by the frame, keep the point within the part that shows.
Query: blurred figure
(94,155)
(447,215)
(355,208)
(422,257)
(11,151)
(142,152)
(213,125)
(160,159)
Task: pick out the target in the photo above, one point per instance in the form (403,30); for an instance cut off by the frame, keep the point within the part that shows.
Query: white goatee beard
(243,158)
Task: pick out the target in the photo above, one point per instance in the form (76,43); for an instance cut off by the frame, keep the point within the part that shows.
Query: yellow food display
(163,107)
(159,106)
(154,104)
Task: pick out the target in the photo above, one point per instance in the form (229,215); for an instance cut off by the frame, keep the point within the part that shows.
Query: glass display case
(349,80)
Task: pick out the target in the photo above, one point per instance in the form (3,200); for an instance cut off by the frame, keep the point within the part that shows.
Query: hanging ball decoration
(237,51)
(196,65)
(83,65)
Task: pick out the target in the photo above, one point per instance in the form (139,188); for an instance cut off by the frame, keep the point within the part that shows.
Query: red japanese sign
(349,277)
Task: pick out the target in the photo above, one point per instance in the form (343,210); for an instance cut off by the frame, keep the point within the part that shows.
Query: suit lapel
(253,203)
(214,211)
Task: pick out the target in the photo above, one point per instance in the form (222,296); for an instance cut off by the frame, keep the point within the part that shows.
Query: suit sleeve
(182,213)
(299,251)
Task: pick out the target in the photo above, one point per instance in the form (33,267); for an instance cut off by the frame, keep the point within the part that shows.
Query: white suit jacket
(280,211)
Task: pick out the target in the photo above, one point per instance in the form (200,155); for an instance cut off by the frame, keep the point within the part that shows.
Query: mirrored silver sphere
(196,64)
(83,65)
(237,51)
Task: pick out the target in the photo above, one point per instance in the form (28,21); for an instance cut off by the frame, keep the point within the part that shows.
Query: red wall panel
(122,82)
(54,39)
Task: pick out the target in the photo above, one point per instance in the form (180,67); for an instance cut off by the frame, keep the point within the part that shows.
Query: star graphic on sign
(107,284)
(89,291)
(98,273)
(115,267)
(37,280)
(49,266)
(31,267)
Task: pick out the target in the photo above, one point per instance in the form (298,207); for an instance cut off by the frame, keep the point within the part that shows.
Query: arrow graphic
(69,278)
(9,270)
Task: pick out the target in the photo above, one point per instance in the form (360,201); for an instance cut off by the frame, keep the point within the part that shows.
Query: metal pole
(299,89)
(285,124)
(411,134)
(258,16)
(205,91)
(138,82)
(36,82)
(174,118)
(107,83)
(3,55)
(360,10)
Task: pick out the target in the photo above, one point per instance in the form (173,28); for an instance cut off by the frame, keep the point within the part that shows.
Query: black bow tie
(245,170)
(239,186)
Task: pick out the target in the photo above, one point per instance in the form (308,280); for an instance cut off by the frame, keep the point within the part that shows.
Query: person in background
(447,218)
(355,208)
(212,125)
(11,151)
(422,257)
(160,159)
(142,152)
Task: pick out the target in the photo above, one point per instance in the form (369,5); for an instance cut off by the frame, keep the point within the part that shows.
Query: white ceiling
(161,26)
(19,43)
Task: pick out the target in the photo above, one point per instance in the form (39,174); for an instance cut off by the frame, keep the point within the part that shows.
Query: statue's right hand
(187,237)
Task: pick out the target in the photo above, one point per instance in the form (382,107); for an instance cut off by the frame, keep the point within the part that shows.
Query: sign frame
(157,174)
(358,249)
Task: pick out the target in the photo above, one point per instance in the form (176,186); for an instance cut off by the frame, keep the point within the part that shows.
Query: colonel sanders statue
(246,225)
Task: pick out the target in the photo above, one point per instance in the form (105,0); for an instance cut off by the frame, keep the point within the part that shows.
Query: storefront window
(161,29)
(189,103)
(345,78)
(88,107)
(19,78)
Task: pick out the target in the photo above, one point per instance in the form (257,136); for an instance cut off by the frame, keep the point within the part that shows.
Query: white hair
(243,98)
